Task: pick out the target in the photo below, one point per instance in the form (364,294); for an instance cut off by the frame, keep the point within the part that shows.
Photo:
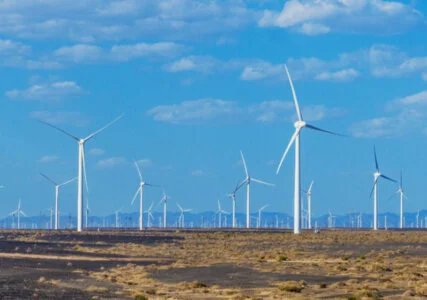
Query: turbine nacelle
(377,175)
(300,124)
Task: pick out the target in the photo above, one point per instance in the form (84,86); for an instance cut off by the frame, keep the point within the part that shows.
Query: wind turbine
(57,187)
(82,166)
(149,215)
(308,193)
(259,214)
(164,200)
(377,176)
(18,212)
(299,125)
(51,218)
(181,222)
(402,195)
(248,181)
(117,217)
(87,213)
(220,212)
(140,191)
(232,195)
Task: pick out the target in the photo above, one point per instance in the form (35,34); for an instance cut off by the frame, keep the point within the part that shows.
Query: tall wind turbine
(87,213)
(140,191)
(248,181)
(82,166)
(259,214)
(164,200)
(308,193)
(57,187)
(377,176)
(299,125)
(18,212)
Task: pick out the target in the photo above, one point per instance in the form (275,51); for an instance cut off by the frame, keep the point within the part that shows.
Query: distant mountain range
(210,220)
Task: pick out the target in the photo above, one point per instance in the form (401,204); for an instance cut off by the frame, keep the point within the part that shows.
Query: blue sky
(201,80)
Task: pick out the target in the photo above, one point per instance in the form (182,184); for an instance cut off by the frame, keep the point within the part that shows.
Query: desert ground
(177,264)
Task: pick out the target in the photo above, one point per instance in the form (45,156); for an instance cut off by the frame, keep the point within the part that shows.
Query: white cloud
(61,118)
(262,70)
(45,92)
(97,152)
(214,110)
(351,16)
(48,159)
(111,162)
(342,75)
(197,173)
(145,162)
(404,115)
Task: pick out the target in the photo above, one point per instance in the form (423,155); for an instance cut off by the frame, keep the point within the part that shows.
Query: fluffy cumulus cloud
(402,116)
(111,162)
(97,152)
(61,117)
(95,20)
(48,159)
(215,110)
(45,92)
(342,75)
(352,16)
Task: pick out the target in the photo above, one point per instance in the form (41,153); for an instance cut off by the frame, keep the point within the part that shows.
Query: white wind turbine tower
(117,217)
(299,125)
(149,215)
(308,193)
(248,181)
(140,191)
(18,212)
(82,166)
(401,195)
(57,187)
(181,221)
(232,195)
(220,212)
(377,176)
(259,214)
(164,201)
(51,218)
(87,213)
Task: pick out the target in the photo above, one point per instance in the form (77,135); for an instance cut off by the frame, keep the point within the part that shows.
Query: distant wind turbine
(232,195)
(299,125)
(248,181)
(149,215)
(259,215)
(18,212)
(57,187)
(87,213)
(377,176)
(220,212)
(181,222)
(140,191)
(308,193)
(164,200)
(402,195)
(82,166)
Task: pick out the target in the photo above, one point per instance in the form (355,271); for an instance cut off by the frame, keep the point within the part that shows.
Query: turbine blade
(376,160)
(57,128)
(322,130)
(244,163)
(294,136)
(372,191)
(240,185)
(22,213)
(294,94)
(139,171)
(262,182)
(219,206)
(264,207)
(103,128)
(136,194)
(180,208)
(54,183)
(388,178)
(401,180)
(311,185)
(67,182)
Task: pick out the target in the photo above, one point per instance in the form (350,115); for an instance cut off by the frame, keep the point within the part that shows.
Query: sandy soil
(213,265)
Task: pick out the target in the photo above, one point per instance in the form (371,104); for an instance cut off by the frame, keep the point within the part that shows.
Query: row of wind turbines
(300,124)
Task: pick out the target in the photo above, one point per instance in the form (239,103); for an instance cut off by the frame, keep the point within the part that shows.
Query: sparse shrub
(323,285)
(96,289)
(282,258)
(362,257)
(141,297)
(197,285)
(291,286)
(345,257)
(42,279)
(151,291)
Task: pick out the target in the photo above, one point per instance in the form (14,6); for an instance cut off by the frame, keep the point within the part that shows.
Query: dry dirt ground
(213,265)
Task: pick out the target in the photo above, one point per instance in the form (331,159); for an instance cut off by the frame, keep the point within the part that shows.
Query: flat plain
(193,264)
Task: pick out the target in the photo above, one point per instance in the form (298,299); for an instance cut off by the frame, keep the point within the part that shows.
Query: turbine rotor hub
(300,124)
